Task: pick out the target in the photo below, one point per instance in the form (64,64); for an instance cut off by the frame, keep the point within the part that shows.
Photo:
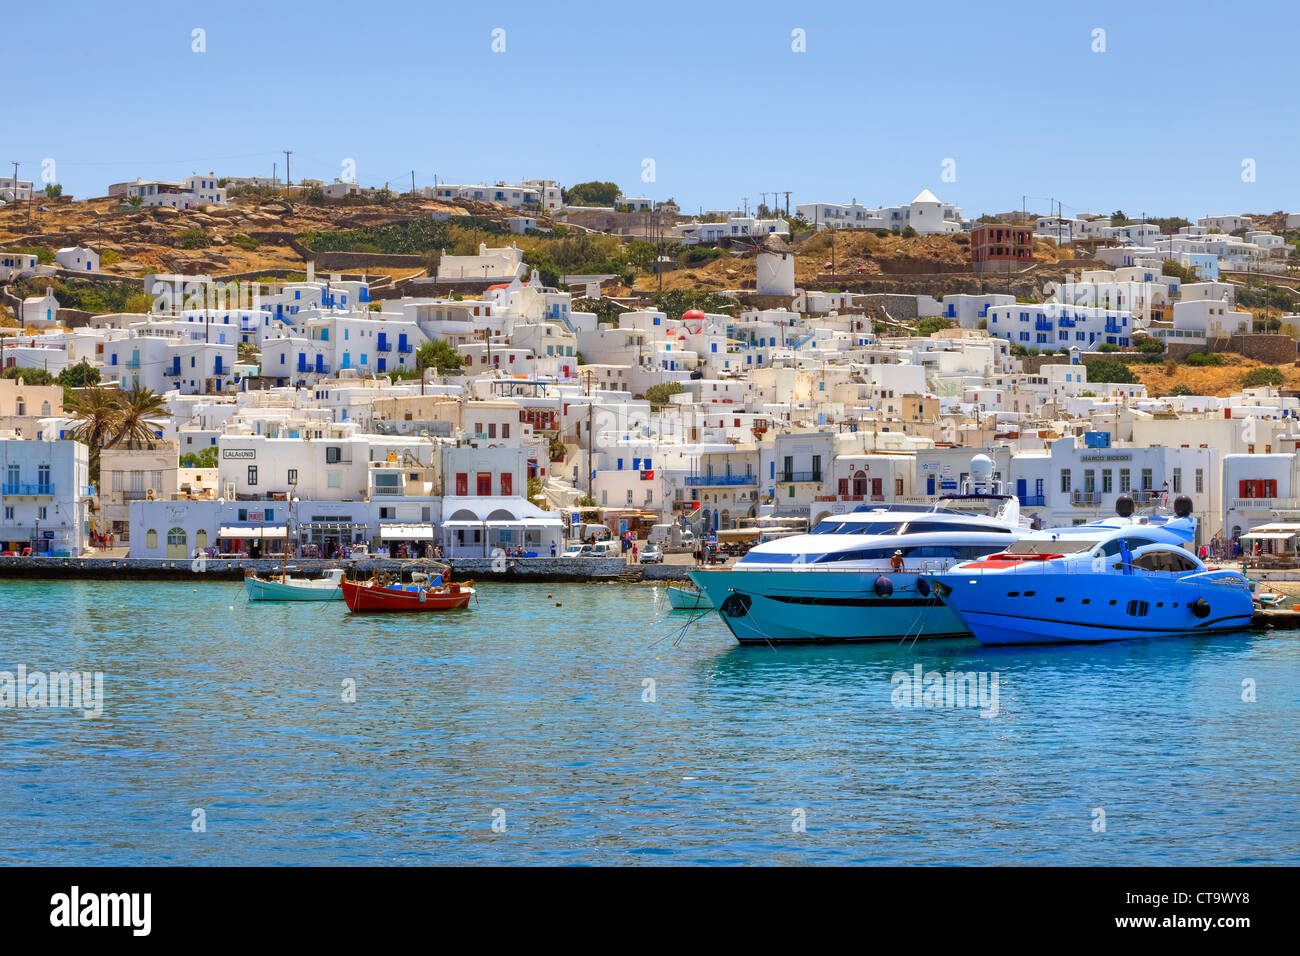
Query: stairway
(632,574)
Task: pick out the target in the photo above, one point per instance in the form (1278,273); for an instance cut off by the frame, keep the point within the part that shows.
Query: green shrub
(1201,359)
(1105,370)
(1264,375)
(192,238)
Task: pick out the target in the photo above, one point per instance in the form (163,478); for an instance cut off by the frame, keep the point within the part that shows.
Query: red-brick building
(998,247)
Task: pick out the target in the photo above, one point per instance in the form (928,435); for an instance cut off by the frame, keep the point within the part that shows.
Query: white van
(607,549)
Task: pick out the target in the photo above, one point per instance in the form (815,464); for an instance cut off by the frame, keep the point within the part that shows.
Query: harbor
(603,731)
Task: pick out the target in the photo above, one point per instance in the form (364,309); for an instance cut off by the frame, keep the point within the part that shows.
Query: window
(1065,480)
(293,476)
(462,483)
(1178,480)
(1125,481)
(9,513)
(1200,480)
(1106,481)
(1146,479)
(507,485)
(334,480)
(483,484)
(252,475)
(151,538)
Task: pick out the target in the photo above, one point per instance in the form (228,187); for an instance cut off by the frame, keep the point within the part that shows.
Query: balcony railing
(384,347)
(795,477)
(699,481)
(1032,501)
(26,488)
(405,349)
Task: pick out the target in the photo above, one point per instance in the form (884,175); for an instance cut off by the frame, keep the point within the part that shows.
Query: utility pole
(288,181)
(413,184)
(787,202)
(745,200)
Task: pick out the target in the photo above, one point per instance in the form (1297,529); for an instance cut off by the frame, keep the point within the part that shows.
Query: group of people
(102,541)
(629,545)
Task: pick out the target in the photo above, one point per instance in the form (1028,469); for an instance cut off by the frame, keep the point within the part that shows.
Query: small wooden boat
(418,595)
(683,599)
(286,587)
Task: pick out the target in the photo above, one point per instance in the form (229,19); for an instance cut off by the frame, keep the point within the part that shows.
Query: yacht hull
(810,607)
(1073,609)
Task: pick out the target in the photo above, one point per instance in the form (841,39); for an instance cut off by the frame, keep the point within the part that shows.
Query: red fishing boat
(418,595)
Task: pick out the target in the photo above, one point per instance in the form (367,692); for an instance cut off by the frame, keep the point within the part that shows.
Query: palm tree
(136,417)
(98,411)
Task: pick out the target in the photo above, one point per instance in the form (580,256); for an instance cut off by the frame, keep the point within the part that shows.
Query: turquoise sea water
(536,710)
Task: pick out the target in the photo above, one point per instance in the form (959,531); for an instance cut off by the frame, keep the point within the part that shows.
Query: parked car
(653,554)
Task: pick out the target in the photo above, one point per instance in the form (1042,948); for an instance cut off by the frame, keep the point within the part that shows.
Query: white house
(78,259)
(45,495)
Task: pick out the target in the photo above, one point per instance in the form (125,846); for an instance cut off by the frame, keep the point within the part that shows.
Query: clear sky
(713,92)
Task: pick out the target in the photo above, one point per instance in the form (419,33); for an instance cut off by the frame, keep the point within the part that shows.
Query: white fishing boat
(684,599)
(286,587)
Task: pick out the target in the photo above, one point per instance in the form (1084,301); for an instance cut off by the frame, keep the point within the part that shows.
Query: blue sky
(1013,93)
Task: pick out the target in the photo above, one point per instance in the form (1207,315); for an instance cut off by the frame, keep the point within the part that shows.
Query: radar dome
(981,468)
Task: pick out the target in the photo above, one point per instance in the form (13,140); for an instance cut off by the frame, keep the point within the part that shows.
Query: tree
(1181,389)
(440,356)
(137,414)
(207,458)
(1149,346)
(658,395)
(97,411)
(53,190)
(591,194)
(641,254)
(31,376)
(1106,370)
(78,376)
(384,196)
(1264,375)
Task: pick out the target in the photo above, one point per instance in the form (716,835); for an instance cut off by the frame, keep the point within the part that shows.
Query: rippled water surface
(537,710)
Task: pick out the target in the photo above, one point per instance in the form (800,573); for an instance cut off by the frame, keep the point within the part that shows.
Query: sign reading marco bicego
(239,453)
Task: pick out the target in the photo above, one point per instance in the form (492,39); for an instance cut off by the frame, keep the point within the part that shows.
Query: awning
(1278,526)
(1269,535)
(268,532)
(406,532)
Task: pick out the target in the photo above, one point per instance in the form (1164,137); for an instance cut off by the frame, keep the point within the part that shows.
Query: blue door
(1022,488)
(929,484)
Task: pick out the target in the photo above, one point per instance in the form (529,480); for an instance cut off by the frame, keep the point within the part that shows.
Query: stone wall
(482,569)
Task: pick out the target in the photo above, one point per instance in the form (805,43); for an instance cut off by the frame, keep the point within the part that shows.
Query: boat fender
(1201,607)
(883,586)
(424,595)
(923,585)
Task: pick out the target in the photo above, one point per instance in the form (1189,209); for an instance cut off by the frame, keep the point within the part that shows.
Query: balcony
(798,477)
(1032,501)
(1261,504)
(383,347)
(703,481)
(26,488)
(404,349)
(1085,499)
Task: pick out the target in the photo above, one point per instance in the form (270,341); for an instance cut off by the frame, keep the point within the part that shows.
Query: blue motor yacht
(1116,579)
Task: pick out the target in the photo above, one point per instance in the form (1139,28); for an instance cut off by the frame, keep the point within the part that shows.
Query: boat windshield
(833,526)
(1047,546)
